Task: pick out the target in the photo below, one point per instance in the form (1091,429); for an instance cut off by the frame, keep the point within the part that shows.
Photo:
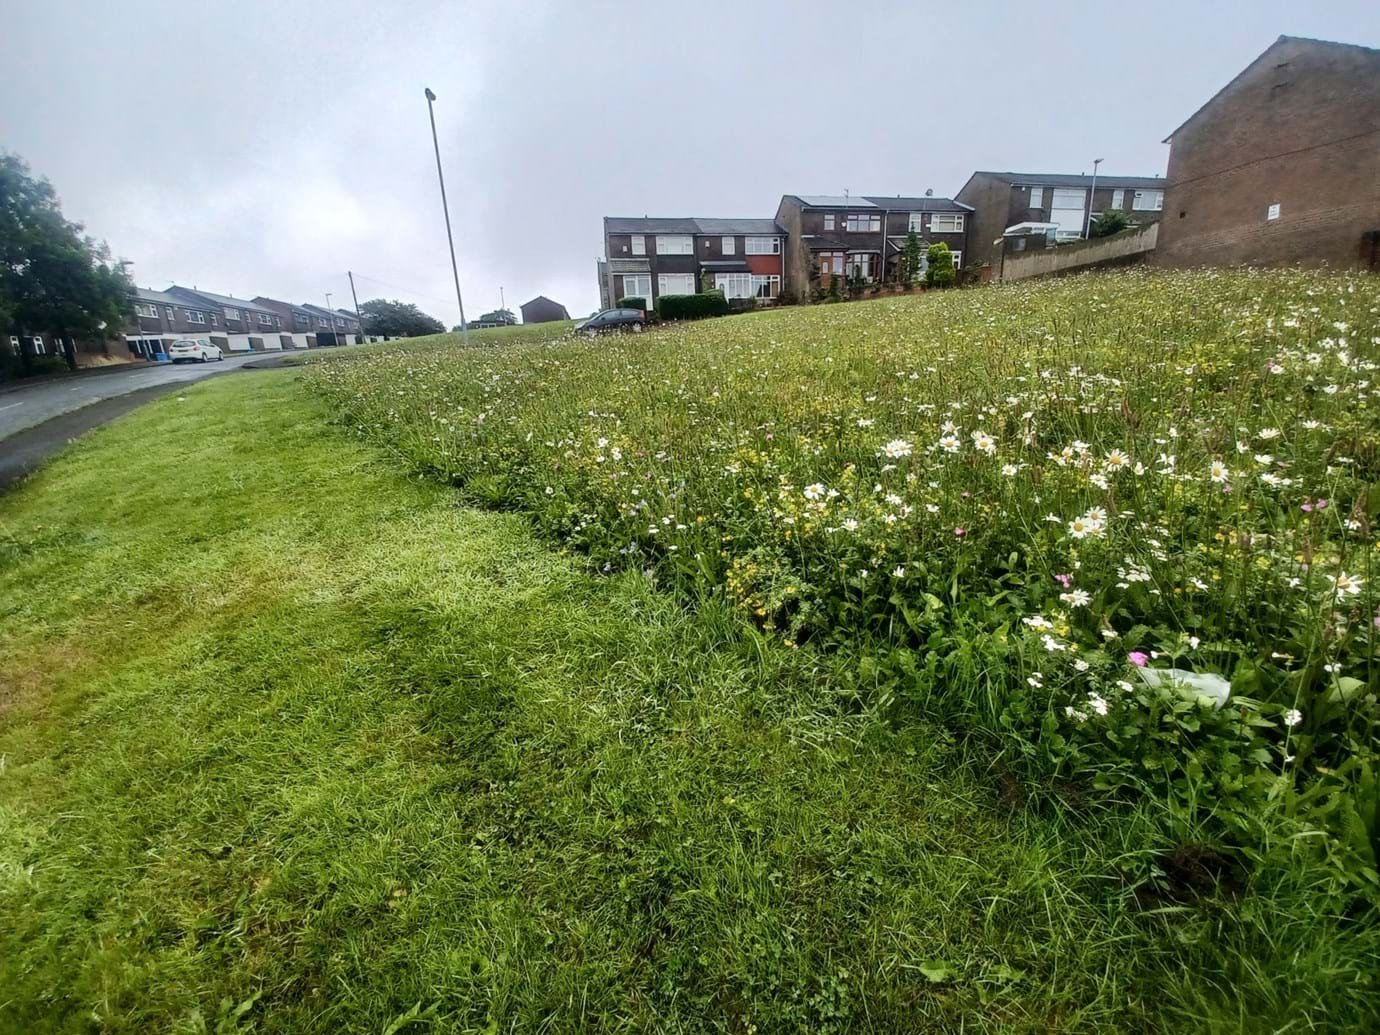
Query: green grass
(290,742)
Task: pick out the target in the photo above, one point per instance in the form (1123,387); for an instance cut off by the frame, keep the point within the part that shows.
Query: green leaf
(937,971)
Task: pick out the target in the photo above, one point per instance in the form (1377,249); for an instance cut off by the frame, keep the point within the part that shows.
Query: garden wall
(1125,248)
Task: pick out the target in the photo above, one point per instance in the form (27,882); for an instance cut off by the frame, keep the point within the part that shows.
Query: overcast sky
(267,146)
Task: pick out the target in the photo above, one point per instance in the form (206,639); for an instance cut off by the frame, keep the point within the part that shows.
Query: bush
(632,303)
(941,272)
(1112,221)
(692,307)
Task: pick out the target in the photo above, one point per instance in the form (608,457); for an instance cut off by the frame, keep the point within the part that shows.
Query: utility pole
(501,304)
(333,317)
(445,208)
(355,298)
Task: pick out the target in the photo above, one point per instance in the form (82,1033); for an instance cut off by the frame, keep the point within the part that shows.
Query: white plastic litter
(1207,686)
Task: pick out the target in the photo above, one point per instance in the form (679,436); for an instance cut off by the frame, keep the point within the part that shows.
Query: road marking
(11,406)
(75,388)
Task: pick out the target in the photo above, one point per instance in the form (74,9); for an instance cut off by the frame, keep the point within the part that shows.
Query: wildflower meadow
(1122,524)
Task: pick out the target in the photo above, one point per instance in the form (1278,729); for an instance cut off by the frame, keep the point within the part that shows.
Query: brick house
(241,325)
(333,327)
(651,257)
(1016,201)
(295,320)
(864,235)
(1282,165)
(159,318)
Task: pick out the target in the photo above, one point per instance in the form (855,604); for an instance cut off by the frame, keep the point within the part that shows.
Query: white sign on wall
(1272,212)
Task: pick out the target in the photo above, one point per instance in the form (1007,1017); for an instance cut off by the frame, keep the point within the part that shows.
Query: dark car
(610,320)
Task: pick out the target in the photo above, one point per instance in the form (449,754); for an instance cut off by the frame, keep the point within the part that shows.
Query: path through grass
(290,742)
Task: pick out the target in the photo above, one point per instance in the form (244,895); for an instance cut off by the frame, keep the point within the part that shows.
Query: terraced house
(863,237)
(1062,204)
(240,325)
(650,257)
(159,318)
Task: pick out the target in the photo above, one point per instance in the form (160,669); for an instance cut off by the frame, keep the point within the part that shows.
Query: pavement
(38,420)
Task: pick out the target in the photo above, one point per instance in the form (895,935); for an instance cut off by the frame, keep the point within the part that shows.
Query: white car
(197,349)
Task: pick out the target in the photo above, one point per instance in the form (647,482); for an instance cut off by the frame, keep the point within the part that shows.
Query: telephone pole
(355,297)
(445,208)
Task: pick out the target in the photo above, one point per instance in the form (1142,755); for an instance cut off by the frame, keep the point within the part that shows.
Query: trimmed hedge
(693,307)
(632,302)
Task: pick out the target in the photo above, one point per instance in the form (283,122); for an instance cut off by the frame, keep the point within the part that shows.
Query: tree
(53,278)
(1111,221)
(940,269)
(911,257)
(397,319)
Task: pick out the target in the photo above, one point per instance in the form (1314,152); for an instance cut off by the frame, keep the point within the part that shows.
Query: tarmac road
(38,420)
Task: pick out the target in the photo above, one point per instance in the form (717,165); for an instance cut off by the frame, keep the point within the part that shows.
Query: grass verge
(291,743)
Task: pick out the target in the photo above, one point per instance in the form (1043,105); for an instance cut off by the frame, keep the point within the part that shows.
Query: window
(734,285)
(863,224)
(232,314)
(917,222)
(267,320)
(1118,199)
(828,220)
(1148,201)
(830,262)
(194,317)
(169,310)
(763,246)
(638,285)
(946,224)
(1037,197)
(728,245)
(14,344)
(149,312)
(214,321)
(958,260)
(39,348)
(860,264)
(675,244)
(639,245)
(675,284)
(766,287)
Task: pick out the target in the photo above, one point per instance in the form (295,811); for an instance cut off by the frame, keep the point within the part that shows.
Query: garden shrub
(692,307)
(632,303)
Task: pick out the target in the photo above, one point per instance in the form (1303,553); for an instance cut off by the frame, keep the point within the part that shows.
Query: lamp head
(429,95)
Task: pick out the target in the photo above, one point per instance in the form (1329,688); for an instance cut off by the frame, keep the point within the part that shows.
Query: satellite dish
(929,192)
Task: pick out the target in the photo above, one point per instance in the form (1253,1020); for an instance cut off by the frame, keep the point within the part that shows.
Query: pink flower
(1321,504)
(1307,508)
(1064,580)
(960,532)
(1138,658)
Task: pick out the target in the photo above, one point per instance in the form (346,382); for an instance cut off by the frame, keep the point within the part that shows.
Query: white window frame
(1148,201)
(681,278)
(762,246)
(675,244)
(39,348)
(854,223)
(193,316)
(916,223)
(232,314)
(214,321)
(770,281)
(1037,197)
(734,285)
(1119,198)
(958,258)
(146,310)
(829,221)
(850,260)
(267,320)
(639,244)
(15,347)
(169,310)
(729,245)
(646,295)
(946,223)
(831,262)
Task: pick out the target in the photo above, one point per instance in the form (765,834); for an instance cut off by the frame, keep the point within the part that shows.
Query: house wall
(1299,128)
(795,257)
(991,202)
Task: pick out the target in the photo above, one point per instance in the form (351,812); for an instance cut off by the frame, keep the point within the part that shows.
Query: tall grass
(1124,522)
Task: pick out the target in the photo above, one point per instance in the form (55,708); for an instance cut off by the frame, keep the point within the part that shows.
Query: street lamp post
(1087,224)
(445,208)
(332,312)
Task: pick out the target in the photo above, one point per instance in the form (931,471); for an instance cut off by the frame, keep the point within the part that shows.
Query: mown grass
(292,743)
